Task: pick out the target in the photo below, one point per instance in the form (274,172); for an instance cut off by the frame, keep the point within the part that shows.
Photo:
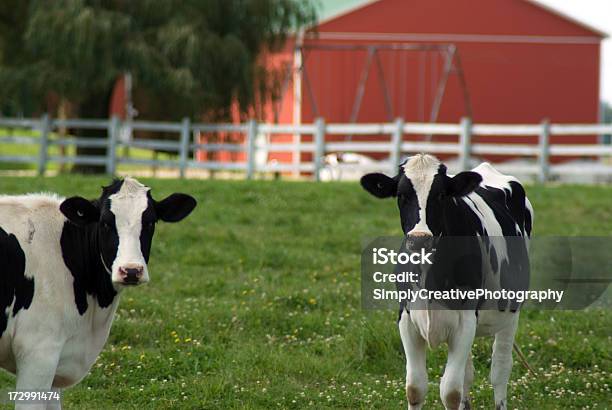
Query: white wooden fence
(396,146)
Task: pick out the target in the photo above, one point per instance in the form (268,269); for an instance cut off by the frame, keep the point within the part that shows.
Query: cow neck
(459,220)
(82,255)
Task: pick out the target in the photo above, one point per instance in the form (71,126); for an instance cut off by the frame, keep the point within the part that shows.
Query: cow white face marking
(420,171)
(128,206)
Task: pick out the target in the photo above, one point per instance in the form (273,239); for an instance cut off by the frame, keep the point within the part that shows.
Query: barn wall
(522,64)
(281,111)
(507,82)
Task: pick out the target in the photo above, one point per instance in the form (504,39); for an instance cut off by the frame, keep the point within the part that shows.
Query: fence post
(251,136)
(465,142)
(184,147)
(45,128)
(113,130)
(396,145)
(544,145)
(319,153)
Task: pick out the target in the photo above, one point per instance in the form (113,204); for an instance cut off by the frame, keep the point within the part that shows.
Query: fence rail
(42,132)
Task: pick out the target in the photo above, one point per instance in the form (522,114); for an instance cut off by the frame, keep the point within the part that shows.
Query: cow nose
(418,234)
(131,273)
(419,239)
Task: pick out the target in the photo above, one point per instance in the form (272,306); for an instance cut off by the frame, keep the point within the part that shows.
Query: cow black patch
(493,259)
(86,249)
(458,219)
(408,204)
(15,286)
(81,253)
(516,204)
(528,222)
(497,200)
(457,265)
(149,218)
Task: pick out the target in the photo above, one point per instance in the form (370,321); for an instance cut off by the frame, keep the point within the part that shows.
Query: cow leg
(416,371)
(459,349)
(501,362)
(467,383)
(55,405)
(35,371)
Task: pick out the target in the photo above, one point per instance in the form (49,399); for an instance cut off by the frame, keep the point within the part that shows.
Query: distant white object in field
(349,166)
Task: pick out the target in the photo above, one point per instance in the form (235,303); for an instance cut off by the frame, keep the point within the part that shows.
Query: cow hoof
(501,405)
(466,404)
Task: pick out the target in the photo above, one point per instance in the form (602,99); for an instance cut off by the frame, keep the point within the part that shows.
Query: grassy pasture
(254,303)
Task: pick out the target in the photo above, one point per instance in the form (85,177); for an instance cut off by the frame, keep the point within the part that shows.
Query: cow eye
(106,225)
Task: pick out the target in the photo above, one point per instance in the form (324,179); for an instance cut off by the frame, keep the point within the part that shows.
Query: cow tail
(523,359)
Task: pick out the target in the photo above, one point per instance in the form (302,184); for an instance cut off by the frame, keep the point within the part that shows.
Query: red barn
(377,60)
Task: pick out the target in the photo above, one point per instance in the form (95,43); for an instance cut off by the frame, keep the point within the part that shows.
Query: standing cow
(480,203)
(63,263)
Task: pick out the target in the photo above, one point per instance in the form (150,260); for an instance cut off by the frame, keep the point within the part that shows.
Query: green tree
(17,82)
(189,57)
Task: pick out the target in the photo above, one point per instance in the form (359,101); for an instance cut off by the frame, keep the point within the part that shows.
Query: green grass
(254,302)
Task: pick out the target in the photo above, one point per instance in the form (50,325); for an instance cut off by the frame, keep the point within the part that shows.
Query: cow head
(423,192)
(122,222)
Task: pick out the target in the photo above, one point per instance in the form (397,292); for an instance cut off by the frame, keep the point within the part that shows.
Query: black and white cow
(480,203)
(63,264)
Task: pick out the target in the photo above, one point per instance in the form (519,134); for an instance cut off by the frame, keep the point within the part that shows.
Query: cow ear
(463,183)
(80,211)
(379,185)
(175,207)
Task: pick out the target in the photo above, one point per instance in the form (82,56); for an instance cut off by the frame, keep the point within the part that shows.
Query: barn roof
(332,9)
(568,18)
